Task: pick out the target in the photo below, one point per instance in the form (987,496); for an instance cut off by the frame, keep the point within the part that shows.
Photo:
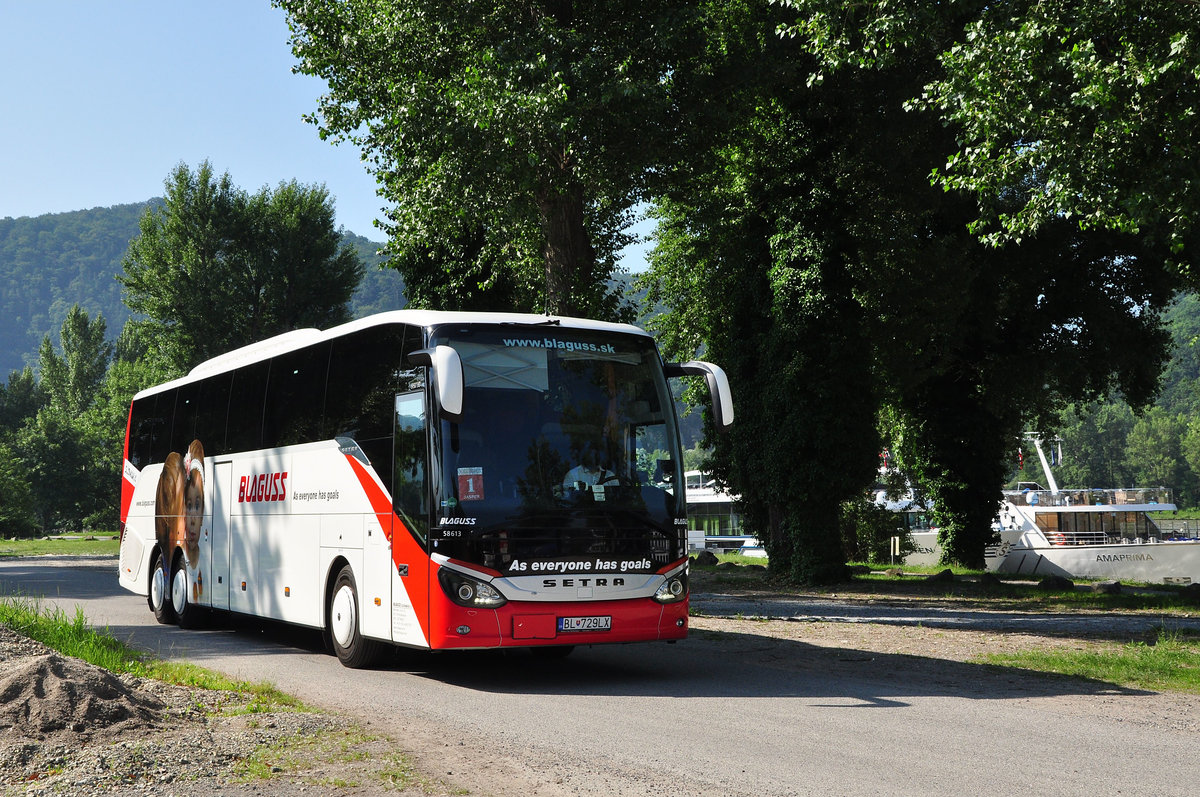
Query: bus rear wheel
(353,650)
(159,598)
(187,612)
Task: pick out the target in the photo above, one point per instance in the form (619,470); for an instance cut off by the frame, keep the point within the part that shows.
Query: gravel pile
(68,727)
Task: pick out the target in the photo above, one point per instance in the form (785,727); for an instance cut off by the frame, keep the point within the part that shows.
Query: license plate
(567,624)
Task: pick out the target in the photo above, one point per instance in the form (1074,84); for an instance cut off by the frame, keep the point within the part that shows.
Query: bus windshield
(567,450)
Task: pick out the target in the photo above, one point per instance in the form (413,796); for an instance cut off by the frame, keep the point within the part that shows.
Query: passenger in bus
(589,472)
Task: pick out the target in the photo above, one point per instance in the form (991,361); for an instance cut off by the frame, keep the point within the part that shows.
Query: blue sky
(100,100)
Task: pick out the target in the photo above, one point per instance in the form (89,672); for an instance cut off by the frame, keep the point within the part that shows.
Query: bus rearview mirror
(718,387)
(448,380)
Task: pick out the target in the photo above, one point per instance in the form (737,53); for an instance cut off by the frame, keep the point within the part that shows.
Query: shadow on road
(734,665)
(725,665)
(32,577)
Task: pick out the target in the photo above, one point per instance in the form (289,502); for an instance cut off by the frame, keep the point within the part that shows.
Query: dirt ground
(69,727)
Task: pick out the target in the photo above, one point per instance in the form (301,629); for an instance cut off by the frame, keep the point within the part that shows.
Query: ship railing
(1109,497)
(1078,537)
(1177,529)
(1163,533)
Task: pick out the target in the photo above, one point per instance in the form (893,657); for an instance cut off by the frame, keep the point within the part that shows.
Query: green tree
(215,268)
(807,247)
(511,136)
(1094,438)
(1082,110)
(1097,99)
(1190,450)
(17,516)
(867,530)
(20,400)
(1156,454)
(70,381)
(70,471)
(756,269)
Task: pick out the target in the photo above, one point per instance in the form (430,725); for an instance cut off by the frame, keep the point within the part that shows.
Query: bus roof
(299,338)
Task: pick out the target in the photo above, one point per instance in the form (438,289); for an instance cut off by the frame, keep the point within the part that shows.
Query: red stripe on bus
(405,549)
(127,487)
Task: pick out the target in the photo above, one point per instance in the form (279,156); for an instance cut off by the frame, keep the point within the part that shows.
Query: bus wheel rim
(179,591)
(342,621)
(158,588)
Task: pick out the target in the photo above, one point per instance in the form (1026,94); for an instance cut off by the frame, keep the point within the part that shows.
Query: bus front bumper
(532,624)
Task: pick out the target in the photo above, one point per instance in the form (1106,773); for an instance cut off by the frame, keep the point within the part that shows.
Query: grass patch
(369,758)
(1171,663)
(72,636)
(969,589)
(103,545)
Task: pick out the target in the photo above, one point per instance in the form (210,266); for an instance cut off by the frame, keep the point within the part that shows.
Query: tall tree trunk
(570,258)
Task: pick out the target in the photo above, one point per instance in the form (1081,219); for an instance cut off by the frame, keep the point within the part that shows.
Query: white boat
(1109,534)
(1115,534)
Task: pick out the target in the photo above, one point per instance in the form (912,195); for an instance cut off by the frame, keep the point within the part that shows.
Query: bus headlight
(673,590)
(469,592)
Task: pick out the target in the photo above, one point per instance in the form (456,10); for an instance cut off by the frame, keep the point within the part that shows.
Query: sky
(99,101)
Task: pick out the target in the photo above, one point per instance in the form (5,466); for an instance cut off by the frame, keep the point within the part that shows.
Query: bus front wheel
(159,598)
(352,649)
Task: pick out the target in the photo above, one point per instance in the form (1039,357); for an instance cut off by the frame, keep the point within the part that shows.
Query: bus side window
(150,429)
(244,431)
(411,486)
(361,392)
(295,397)
(183,430)
(214,407)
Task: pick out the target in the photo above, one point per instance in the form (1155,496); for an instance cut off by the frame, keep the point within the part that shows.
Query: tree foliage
(71,380)
(216,268)
(59,454)
(754,275)
(512,137)
(808,248)
(1084,110)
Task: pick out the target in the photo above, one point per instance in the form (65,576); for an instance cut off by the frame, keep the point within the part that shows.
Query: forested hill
(49,263)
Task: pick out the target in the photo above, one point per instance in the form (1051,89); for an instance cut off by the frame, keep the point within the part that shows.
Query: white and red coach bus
(426,479)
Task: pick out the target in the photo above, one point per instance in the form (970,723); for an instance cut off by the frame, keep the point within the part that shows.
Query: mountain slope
(49,263)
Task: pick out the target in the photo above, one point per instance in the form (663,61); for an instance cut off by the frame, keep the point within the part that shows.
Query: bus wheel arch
(331,577)
(343,622)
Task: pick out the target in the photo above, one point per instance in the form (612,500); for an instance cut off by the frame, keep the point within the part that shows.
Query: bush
(867,530)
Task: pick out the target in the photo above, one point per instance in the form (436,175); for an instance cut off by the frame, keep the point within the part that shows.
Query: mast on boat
(1037,444)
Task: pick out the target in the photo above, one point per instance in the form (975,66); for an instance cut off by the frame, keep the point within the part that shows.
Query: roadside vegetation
(1165,662)
(72,636)
(90,545)
(968,588)
(1168,663)
(349,757)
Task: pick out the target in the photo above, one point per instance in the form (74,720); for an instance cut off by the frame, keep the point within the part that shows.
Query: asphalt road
(713,715)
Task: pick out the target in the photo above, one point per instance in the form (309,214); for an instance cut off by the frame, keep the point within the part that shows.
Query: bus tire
(352,649)
(159,598)
(186,612)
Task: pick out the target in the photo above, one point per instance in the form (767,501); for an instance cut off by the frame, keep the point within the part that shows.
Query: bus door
(376,589)
(217,581)
(409,561)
